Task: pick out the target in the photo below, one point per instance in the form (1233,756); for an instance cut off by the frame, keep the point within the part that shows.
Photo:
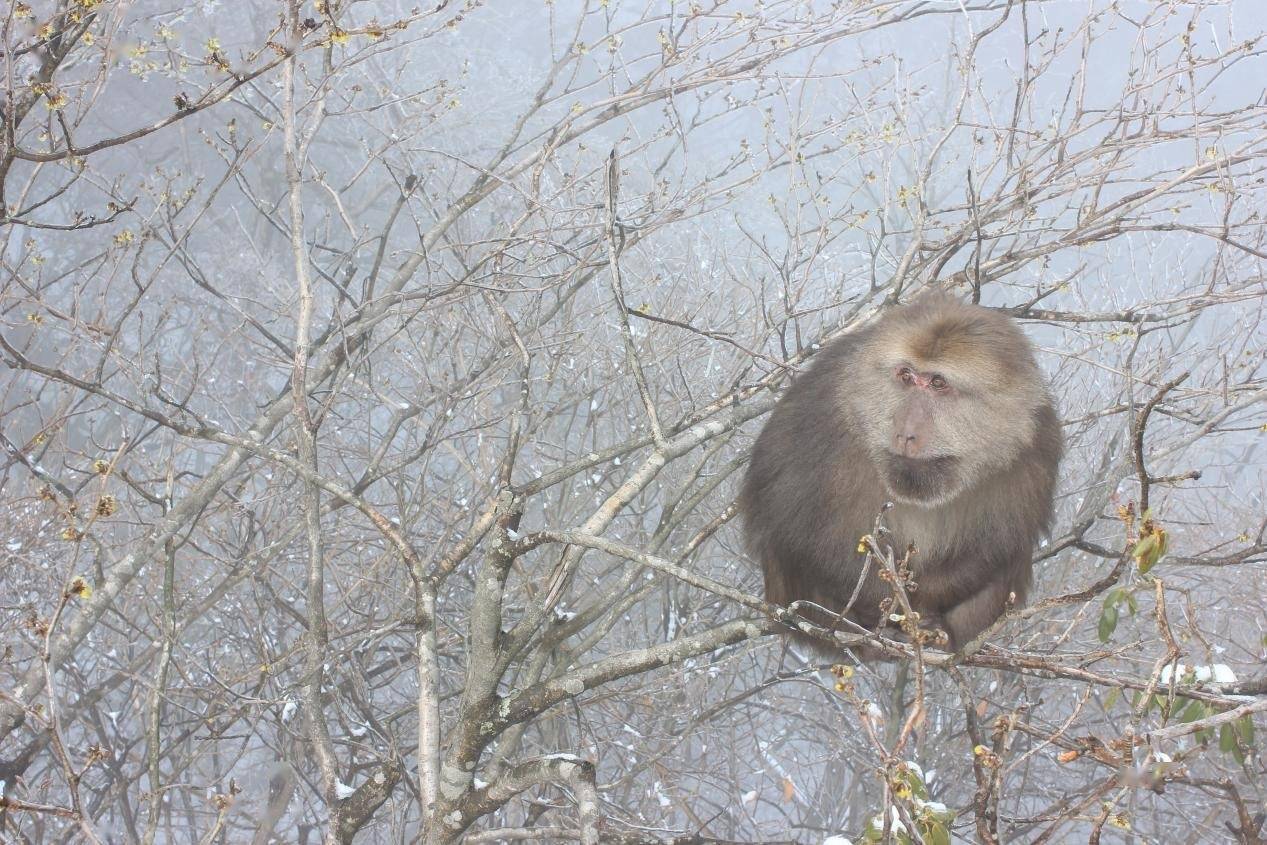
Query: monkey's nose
(907,445)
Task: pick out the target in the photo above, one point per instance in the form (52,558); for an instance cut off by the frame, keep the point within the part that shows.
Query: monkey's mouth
(921,479)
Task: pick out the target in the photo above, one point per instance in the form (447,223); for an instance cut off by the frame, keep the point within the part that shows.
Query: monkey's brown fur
(974,502)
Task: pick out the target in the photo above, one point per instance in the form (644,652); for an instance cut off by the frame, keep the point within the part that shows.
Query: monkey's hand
(930,629)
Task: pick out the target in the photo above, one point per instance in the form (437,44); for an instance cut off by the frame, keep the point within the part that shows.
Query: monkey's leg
(973,615)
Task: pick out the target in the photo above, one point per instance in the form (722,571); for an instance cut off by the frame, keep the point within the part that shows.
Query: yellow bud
(80,587)
(107,505)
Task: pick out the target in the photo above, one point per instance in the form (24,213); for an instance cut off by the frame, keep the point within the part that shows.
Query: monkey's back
(811,492)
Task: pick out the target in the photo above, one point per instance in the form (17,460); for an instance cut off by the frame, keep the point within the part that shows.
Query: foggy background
(450,593)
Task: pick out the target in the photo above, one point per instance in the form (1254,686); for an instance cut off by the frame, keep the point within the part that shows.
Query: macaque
(939,408)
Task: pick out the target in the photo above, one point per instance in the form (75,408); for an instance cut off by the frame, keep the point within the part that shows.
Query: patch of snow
(1219,673)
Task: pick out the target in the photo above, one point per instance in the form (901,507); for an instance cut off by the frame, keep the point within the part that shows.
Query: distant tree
(378,379)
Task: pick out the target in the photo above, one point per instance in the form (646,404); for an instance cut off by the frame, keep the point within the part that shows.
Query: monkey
(937,408)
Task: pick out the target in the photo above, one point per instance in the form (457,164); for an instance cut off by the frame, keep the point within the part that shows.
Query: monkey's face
(947,397)
(944,431)
(923,456)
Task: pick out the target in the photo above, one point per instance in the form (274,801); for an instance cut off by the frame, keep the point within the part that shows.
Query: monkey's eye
(938,383)
(906,375)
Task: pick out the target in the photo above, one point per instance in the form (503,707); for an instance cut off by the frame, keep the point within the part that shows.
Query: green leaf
(1195,710)
(1108,623)
(1151,549)
(1245,727)
(1145,553)
(937,834)
(1228,741)
(912,780)
(1112,697)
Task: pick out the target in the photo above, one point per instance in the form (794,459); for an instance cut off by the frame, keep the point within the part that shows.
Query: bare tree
(378,380)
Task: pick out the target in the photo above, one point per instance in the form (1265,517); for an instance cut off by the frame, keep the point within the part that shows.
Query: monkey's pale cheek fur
(951,379)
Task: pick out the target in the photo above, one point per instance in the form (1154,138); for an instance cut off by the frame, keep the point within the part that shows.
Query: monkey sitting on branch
(939,408)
